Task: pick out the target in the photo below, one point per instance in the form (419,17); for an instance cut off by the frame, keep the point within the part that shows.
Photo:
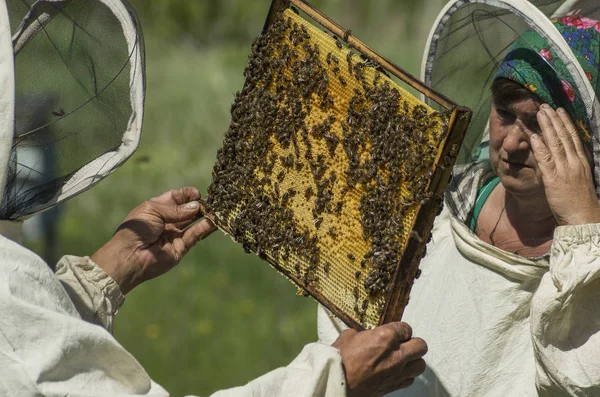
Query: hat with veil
(71,104)
(473,42)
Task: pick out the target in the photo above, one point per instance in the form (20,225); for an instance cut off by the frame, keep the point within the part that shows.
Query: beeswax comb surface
(324,168)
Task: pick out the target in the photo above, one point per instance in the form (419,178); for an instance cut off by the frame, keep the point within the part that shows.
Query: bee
(322,86)
(318,222)
(342,80)
(332,232)
(357,274)
(332,142)
(365,305)
(287,161)
(326,268)
(332,177)
(338,43)
(419,112)
(320,171)
(143,159)
(376,79)
(432,124)
(351,257)
(328,59)
(405,106)
(347,34)
(338,207)
(454,150)
(355,292)
(428,175)
(308,192)
(326,102)
(447,161)
(281,175)
(334,59)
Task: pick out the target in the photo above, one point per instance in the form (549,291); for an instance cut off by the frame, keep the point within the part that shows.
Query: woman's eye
(506,116)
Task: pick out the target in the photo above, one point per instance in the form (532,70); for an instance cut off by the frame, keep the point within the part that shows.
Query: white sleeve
(47,349)
(96,296)
(565,315)
(43,352)
(316,372)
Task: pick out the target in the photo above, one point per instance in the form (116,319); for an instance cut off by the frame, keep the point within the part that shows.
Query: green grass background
(221,318)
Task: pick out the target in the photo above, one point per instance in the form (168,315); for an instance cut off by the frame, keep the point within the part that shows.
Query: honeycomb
(324,166)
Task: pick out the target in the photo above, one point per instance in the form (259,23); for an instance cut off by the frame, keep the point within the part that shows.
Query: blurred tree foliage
(213,21)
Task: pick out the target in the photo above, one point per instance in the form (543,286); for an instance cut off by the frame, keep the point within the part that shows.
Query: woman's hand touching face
(565,169)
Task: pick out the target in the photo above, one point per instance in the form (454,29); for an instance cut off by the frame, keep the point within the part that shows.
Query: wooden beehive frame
(398,294)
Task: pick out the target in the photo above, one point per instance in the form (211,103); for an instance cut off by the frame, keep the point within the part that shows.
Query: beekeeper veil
(474,41)
(71,102)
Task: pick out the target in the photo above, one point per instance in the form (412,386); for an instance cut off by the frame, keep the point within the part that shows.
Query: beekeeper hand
(153,238)
(381,360)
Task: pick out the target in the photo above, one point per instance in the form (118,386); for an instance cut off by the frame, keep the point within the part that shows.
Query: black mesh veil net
(79,86)
(469,42)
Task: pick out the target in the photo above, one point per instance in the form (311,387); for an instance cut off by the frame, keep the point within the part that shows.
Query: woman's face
(511,156)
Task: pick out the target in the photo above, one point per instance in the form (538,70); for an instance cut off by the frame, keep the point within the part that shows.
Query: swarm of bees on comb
(324,166)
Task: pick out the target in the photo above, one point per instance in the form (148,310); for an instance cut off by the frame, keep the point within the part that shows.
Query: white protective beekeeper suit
(73,70)
(497,323)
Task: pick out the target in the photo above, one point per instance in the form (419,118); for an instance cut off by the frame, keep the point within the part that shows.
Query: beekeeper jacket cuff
(96,296)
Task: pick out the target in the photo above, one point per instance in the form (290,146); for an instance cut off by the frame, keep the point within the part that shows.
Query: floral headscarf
(532,63)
